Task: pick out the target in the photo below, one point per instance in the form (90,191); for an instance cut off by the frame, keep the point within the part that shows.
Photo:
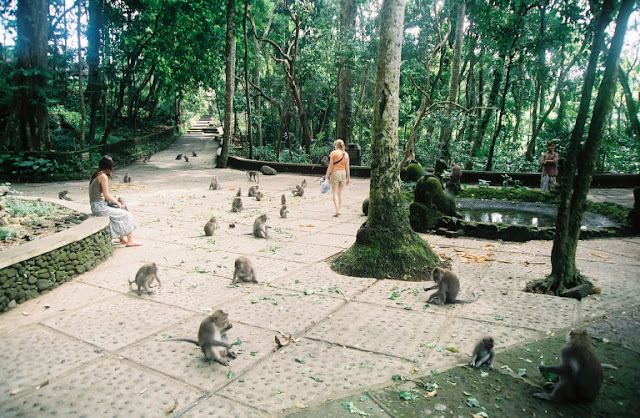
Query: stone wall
(22,281)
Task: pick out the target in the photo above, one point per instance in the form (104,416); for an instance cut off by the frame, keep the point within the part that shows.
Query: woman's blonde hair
(339,143)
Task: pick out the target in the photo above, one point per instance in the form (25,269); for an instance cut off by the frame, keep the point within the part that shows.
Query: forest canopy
(485,83)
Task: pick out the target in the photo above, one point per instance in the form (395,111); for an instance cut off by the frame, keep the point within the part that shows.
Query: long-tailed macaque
(214,185)
(483,353)
(145,276)
(253,175)
(260,228)
(580,371)
(236,205)
(244,271)
(210,226)
(448,287)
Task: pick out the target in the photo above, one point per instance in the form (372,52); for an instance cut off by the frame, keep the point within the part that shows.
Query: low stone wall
(41,265)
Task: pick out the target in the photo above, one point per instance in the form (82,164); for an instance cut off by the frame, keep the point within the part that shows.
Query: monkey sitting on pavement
(214,185)
(260,228)
(253,190)
(244,271)
(145,276)
(283,211)
(448,287)
(580,371)
(212,338)
(210,226)
(236,205)
(127,178)
(483,353)
(298,191)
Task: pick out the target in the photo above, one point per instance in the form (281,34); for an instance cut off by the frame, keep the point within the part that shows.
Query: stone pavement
(93,347)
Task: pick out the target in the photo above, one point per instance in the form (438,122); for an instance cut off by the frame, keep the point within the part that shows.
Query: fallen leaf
(453,349)
(142,391)
(43,384)
(504,292)
(307,226)
(600,255)
(300,405)
(14,391)
(431,394)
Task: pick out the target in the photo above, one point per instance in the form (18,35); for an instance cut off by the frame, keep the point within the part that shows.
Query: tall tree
(632,109)
(31,76)
(454,82)
(246,78)
(83,111)
(581,159)
(94,87)
(344,111)
(386,244)
(230,69)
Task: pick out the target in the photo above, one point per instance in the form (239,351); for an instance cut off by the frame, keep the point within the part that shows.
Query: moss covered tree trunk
(230,70)
(581,160)
(385,244)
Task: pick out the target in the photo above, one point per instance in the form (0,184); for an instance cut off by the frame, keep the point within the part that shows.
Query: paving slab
(310,372)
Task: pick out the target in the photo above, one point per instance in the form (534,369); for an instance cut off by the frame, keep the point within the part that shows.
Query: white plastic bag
(325,186)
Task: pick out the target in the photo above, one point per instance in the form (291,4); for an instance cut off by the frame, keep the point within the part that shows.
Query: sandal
(123,241)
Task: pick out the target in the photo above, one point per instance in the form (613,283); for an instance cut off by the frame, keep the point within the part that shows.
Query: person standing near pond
(338,172)
(549,163)
(122,224)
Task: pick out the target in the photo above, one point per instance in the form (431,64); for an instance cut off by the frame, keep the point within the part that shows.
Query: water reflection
(506,216)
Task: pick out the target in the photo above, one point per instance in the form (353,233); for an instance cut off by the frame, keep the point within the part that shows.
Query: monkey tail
(131,282)
(188,340)
(475,297)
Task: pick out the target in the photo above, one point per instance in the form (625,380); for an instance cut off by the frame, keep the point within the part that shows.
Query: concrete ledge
(43,264)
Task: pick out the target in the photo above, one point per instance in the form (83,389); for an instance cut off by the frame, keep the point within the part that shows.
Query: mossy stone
(429,192)
(414,172)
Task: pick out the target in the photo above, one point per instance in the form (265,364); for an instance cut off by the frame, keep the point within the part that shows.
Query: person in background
(549,163)
(338,172)
(121,223)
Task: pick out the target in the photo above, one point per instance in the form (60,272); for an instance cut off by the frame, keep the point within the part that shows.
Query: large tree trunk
(540,86)
(581,165)
(246,78)
(632,109)
(499,126)
(230,68)
(454,83)
(385,244)
(94,86)
(31,79)
(344,113)
(83,111)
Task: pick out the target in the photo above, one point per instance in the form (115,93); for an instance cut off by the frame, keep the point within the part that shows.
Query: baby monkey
(260,228)
(448,287)
(253,175)
(239,193)
(212,338)
(483,353)
(244,271)
(236,205)
(186,159)
(259,196)
(298,191)
(214,184)
(179,157)
(145,276)
(580,371)
(210,227)
(127,178)
(283,200)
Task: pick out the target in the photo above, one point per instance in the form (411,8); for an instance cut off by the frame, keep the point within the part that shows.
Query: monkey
(239,192)
(123,203)
(145,276)
(260,227)
(146,159)
(448,286)
(244,271)
(259,196)
(299,191)
(127,178)
(253,174)
(283,199)
(214,184)
(212,337)
(236,205)
(232,225)
(186,159)
(210,227)
(483,353)
(179,157)
(456,173)
(580,371)
(252,191)
(304,183)
(283,211)
(193,153)
(64,195)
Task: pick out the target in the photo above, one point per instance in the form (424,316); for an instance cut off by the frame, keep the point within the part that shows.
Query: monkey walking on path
(212,338)
(145,276)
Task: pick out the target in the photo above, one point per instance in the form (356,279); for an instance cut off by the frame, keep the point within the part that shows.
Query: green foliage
(20,208)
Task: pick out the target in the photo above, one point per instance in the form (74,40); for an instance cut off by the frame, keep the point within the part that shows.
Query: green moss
(399,253)
(429,192)
(414,172)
